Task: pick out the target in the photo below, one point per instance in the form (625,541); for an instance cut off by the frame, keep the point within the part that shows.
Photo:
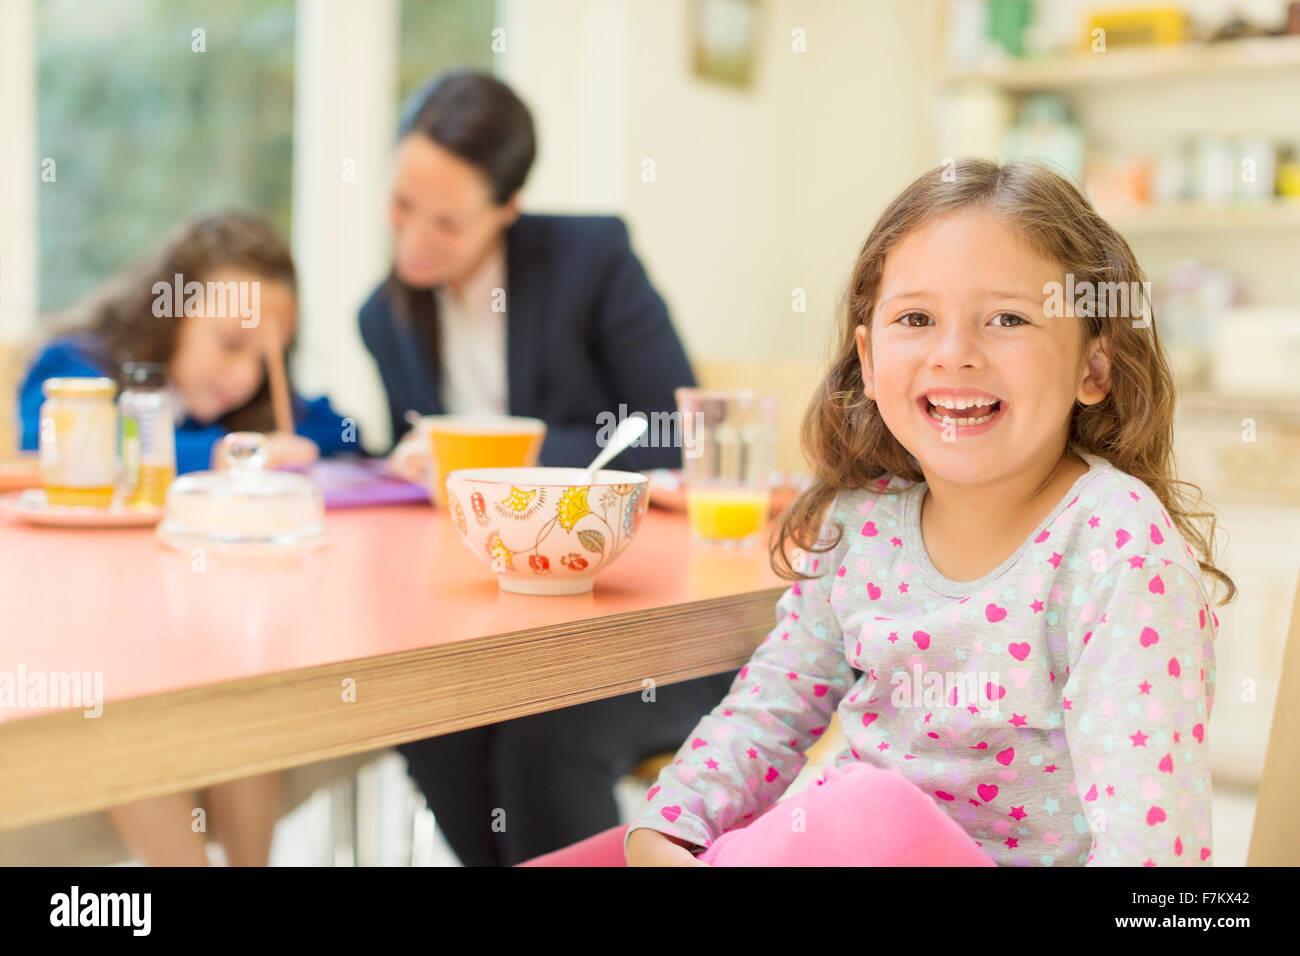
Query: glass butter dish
(244,508)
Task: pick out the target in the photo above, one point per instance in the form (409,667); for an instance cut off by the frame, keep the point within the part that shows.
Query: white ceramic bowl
(544,530)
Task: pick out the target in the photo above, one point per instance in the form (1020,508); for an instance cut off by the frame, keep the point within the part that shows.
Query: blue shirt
(74,357)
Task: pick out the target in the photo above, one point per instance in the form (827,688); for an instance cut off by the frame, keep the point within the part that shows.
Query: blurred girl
(999,587)
(217,377)
(215,363)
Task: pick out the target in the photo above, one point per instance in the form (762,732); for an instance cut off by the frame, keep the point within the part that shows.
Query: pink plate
(31,506)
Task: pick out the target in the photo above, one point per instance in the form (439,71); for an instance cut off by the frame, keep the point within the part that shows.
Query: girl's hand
(289,450)
(410,459)
(283,450)
(651,848)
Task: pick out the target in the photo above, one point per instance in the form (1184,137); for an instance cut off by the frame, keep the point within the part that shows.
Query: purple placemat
(361,483)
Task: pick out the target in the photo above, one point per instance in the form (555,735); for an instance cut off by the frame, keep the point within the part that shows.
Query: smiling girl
(998,585)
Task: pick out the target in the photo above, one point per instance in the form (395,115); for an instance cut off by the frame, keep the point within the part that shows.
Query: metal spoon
(628,431)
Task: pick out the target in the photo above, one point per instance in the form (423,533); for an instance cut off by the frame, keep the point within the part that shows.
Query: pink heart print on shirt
(1142,602)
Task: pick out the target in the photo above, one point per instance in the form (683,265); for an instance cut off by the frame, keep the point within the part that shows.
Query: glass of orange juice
(479,441)
(729,451)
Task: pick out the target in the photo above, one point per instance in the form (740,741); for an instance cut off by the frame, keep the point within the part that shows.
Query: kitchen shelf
(1207,402)
(1250,55)
(1198,217)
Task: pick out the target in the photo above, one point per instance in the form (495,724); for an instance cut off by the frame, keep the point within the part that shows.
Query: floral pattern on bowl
(543,531)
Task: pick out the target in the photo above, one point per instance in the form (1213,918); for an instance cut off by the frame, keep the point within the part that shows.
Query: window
(441,35)
(150,112)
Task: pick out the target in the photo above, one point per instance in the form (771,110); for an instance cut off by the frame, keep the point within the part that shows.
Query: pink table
(392,632)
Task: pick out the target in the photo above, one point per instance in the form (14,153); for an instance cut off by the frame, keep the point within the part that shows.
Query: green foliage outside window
(150,122)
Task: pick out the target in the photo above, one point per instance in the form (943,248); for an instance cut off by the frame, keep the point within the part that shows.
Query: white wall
(20,172)
(757,191)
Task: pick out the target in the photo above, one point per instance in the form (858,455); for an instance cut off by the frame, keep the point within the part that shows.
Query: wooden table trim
(61,764)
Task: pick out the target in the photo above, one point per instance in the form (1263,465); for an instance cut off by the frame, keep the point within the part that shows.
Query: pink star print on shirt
(1056,708)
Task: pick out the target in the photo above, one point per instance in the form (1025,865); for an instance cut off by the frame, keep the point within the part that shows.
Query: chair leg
(424,831)
(343,820)
(415,826)
(366,810)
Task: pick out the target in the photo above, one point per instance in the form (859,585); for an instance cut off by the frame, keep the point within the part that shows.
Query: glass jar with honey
(78,441)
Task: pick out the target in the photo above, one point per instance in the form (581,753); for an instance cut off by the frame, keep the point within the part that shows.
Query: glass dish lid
(246,507)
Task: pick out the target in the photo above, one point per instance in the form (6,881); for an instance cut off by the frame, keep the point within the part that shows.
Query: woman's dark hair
(119,315)
(478,119)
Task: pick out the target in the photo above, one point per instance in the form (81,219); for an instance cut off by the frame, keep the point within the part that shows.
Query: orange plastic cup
(479,441)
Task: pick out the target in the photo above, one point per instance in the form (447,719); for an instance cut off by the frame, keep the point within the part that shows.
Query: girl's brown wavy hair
(844,437)
(119,317)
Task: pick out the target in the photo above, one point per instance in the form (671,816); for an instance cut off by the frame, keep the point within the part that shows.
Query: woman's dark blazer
(586,333)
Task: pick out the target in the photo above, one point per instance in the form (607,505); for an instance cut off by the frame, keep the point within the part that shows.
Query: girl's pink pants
(859,815)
